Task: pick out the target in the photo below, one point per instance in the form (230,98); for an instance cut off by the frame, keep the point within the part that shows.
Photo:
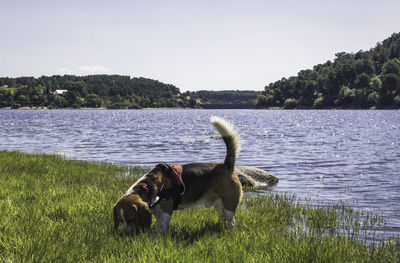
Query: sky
(194,45)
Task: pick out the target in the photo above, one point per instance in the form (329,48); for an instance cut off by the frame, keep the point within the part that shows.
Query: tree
(346,95)
(365,66)
(362,85)
(394,50)
(6,97)
(73,98)
(319,102)
(23,99)
(78,87)
(390,84)
(290,103)
(373,98)
(397,100)
(376,83)
(93,101)
(391,67)
(59,102)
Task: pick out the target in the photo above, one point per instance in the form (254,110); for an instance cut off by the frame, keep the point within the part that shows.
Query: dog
(173,187)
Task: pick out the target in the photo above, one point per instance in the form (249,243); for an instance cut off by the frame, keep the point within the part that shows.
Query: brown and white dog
(208,184)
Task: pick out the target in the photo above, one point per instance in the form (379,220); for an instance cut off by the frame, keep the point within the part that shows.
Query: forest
(366,79)
(94,91)
(112,92)
(226,99)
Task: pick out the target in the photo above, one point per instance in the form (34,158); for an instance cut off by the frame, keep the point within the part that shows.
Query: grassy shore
(57,210)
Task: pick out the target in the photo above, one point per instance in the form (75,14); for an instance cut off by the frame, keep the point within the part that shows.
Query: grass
(57,210)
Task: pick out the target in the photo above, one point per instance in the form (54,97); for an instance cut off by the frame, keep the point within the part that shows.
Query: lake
(350,156)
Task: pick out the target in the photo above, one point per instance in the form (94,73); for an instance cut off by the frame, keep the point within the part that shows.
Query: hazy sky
(194,45)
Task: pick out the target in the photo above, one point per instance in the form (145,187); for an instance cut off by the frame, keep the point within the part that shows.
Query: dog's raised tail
(228,133)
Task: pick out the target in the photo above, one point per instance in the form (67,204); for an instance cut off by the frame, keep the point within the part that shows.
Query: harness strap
(173,186)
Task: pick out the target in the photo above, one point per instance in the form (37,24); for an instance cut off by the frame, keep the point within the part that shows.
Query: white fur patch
(127,228)
(130,190)
(223,127)
(226,129)
(225,215)
(229,217)
(122,215)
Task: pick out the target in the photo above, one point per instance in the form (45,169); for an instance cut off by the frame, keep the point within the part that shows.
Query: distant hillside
(110,91)
(113,92)
(226,99)
(361,80)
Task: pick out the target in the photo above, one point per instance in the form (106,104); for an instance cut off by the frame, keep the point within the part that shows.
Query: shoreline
(177,108)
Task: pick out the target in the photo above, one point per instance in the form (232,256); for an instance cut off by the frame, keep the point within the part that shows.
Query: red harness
(177,169)
(173,186)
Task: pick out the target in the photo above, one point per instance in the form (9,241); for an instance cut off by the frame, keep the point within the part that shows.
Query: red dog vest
(177,169)
(173,186)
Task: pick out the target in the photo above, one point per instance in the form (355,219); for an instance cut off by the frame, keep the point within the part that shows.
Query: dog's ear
(144,216)
(116,220)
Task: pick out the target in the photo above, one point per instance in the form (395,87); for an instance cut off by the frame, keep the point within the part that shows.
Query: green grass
(57,210)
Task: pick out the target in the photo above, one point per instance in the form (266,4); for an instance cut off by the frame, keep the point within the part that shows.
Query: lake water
(350,156)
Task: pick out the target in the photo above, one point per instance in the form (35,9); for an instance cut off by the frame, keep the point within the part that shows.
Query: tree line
(362,80)
(111,91)
(228,99)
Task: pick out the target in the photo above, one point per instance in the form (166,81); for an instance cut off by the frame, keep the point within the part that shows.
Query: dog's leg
(163,214)
(225,215)
(229,217)
(163,219)
(230,194)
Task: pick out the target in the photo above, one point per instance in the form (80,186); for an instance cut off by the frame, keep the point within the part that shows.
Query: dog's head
(133,212)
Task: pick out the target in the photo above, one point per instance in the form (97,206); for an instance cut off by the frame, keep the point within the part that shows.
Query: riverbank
(203,108)
(53,209)
(47,108)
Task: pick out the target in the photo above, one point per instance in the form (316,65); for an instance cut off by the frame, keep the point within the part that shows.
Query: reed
(58,210)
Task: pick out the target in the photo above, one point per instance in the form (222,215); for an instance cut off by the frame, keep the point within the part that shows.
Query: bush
(319,102)
(373,98)
(265,101)
(261,101)
(290,103)
(346,95)
(397,100)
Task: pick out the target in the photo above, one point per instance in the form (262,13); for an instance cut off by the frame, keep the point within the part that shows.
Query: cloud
(94,69)
(64,71)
